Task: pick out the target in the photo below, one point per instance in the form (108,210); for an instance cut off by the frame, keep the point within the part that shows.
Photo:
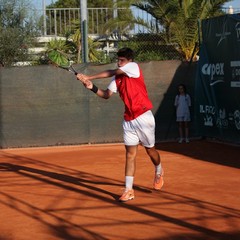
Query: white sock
(158,169)
(129,182)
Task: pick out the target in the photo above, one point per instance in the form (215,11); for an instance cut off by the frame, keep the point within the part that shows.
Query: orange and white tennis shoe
(128,194)
(158,181)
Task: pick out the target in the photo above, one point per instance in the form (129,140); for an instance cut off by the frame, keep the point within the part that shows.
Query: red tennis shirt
(134,94)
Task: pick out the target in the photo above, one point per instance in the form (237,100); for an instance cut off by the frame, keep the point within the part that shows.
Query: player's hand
(83,78)
(88,84)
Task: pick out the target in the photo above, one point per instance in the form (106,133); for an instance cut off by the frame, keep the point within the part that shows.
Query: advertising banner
(217,92)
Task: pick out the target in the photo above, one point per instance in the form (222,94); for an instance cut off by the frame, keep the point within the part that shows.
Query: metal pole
(84,32)
(44,18)
(115,15)
(115,10)
(55,22)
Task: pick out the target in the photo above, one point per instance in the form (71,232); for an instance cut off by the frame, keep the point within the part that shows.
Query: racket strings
(60,59)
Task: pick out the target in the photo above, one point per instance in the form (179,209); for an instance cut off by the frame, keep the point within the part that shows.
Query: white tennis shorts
(140,130)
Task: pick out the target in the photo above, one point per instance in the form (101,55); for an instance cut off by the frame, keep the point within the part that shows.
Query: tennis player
(139,122)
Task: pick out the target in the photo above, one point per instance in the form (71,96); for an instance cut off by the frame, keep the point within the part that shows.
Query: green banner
(217,92)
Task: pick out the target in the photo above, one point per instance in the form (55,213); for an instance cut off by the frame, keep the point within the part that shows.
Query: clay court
(72,192)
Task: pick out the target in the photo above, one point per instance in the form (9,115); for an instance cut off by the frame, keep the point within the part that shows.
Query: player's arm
(100,92)
(104,93)
(104,74)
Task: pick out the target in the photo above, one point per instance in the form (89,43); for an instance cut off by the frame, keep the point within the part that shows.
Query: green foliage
(58,58)
(16,32)
(103,19)
(90,4)
(178,20)
(57,48)
(65,4)
(176,27)
(59,52)
(148,47)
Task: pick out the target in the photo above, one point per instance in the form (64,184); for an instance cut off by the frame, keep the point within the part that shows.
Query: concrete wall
(46,106)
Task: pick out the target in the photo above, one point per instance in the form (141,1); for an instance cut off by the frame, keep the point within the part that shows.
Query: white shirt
(131,69)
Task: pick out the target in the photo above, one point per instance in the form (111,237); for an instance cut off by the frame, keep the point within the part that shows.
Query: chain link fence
(110,29)
(143,35)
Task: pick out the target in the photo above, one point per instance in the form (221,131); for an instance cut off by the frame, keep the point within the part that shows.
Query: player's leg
(156,160)
(154,155)
(130,168)
(131,142)
(145,128)
(130,165)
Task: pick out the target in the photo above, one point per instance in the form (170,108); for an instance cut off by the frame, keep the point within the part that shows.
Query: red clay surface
(71,193)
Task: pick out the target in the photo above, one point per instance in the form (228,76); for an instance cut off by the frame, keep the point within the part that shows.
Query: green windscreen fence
(217,92)
(46,106)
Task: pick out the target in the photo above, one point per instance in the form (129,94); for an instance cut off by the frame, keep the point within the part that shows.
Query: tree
(178,20)
(16,31)
(71,45)
(107,24)
(104,18)
(76,4)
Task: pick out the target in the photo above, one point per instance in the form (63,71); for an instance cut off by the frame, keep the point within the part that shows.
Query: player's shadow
(204,150)
(86,180)
(40,175)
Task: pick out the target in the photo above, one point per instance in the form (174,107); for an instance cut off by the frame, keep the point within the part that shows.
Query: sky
(38,3)
(234,4)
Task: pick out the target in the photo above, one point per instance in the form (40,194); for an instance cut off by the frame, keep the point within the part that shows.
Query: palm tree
(71,46)
(93,54)
(179,20)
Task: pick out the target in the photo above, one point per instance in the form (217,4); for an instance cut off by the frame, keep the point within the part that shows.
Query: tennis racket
(61,59)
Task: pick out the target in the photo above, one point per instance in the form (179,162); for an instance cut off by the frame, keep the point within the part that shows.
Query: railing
(61,21)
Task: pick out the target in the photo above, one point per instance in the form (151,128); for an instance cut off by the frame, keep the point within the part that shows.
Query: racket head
(60,59)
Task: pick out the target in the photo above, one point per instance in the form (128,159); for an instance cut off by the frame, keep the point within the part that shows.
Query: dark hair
(183,86)
(126,52)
